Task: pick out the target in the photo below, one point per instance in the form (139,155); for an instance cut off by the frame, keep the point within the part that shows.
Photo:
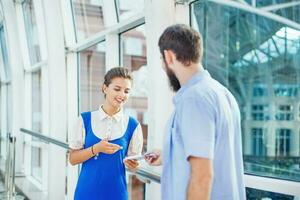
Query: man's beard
(173,81)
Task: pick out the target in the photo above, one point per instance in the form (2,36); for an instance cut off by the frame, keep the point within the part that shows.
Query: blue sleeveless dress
(104,178)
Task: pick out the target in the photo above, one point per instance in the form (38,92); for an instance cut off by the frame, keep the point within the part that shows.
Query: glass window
(4,68)
(258,142)
(283,142)
(31,32)
(92,71)
(260,112)
(284,112)
(133,56)
(129,8)
(1,15)
(36,152)
(88,16)
(260,90)
(286,90)
(292,13)
(254,194)
(247,52)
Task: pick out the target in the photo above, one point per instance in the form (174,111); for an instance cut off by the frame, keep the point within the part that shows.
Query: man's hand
(106,147)
(154,158)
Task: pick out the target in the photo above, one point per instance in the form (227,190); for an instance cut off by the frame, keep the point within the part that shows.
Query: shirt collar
(192,81)
(117,116)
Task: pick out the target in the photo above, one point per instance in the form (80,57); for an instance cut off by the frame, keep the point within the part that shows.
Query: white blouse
(111,127)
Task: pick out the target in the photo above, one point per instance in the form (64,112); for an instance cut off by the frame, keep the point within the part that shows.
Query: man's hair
(184,41)
(117,72)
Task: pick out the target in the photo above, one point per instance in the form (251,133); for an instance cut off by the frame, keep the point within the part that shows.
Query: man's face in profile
(173,81)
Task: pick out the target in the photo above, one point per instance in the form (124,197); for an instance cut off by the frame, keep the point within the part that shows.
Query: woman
(102,140)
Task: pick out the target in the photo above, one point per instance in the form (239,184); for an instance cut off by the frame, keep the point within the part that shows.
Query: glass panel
(258,142)
(254,194)
(36,163)
(36,152)
(260,3)
(134,57)
(258,60)
(92,71)
(1,15)
(292,13)
(88,16)
(4,68)
(31,32)
(129,8)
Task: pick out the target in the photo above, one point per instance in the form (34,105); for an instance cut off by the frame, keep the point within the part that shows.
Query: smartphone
(148,155)
(135,157)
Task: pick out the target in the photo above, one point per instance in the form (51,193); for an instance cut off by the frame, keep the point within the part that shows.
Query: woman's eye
(126,91)
(117,89)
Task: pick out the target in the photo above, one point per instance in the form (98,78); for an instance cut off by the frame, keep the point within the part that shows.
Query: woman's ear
(104,88)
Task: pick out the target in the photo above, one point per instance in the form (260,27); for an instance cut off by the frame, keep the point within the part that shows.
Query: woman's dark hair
(116,72)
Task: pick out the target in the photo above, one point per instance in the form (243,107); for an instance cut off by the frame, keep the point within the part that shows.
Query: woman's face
(117,91)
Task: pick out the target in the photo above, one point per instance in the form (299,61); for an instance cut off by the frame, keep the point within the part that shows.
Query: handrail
(139,172)
(46,139)
(148,175)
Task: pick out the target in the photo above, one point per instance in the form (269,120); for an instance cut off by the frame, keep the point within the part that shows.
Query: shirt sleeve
(78,135)
(197,128)
(136,143)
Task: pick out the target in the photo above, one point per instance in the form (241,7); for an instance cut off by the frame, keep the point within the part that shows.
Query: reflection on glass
(134,57)
(31,32)
(129,8)
(254,194)
(36,152)
(88,16)
(1,15)
(92,71)
(292,12)
(258,60)
(4,68)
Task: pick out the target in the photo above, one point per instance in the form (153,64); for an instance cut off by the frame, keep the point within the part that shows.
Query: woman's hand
(132,165)
(106,147)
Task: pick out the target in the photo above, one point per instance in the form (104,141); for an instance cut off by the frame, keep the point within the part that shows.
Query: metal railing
(145,174)
(9,178)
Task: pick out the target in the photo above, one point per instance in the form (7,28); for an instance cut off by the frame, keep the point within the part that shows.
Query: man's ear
(169,57)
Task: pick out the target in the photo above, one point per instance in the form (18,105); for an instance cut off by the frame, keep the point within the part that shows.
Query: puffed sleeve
(136,143)
(77,137)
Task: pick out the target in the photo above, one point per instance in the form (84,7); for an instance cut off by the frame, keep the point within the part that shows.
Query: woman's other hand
(106,147)
(132,165)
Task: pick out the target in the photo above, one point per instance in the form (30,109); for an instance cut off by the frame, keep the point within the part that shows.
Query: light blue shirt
(205,124)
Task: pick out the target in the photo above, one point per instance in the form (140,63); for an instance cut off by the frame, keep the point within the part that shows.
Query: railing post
(10,167)
(7,163)
(13,162)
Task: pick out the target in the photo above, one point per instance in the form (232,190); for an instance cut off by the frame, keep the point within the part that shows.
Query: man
(202,155)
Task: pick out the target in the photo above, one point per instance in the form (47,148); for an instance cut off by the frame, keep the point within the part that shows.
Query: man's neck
(185,73)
